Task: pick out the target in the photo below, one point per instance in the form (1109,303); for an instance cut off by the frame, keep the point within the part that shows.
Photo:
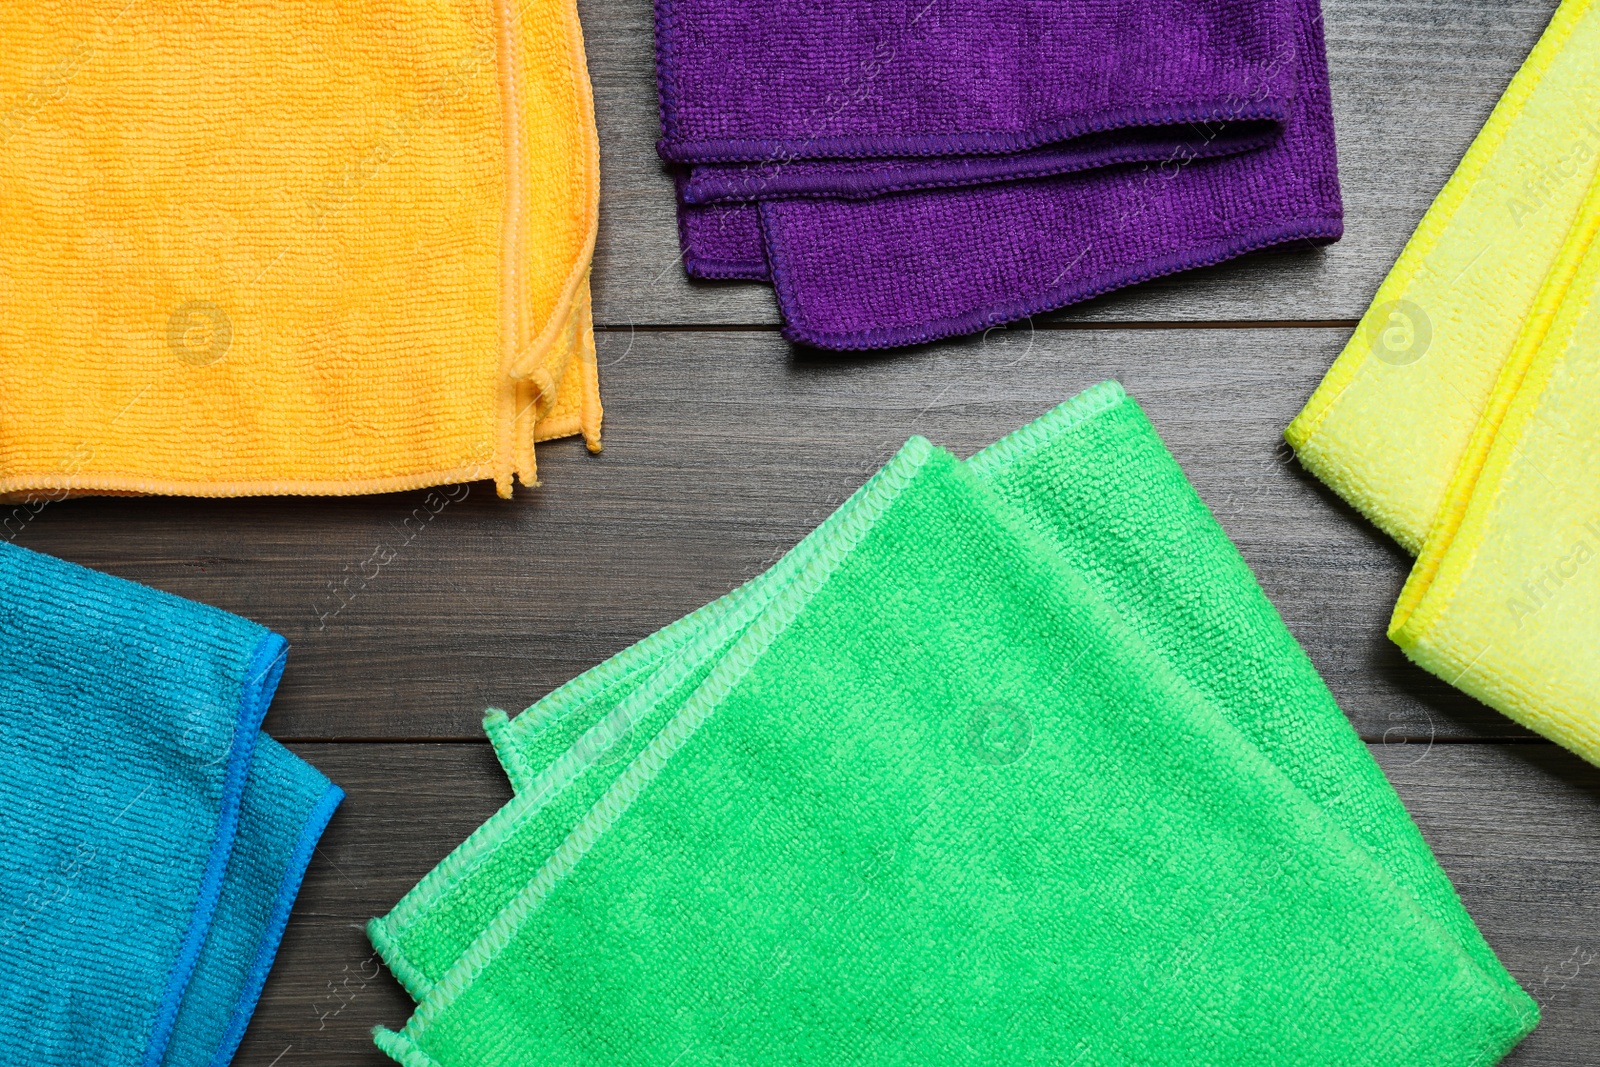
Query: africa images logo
(199,333)
(1399,332)
(999,733)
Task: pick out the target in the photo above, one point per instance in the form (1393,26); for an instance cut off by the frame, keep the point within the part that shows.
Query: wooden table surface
(724,445)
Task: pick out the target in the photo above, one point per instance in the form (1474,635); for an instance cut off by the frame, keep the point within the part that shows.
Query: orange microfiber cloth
(292,248)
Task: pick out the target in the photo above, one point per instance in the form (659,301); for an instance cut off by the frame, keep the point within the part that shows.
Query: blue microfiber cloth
(154,838)
(287,803)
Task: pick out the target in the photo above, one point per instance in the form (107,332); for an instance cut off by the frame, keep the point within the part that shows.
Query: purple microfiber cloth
(720,242)
(890,98)
(917,266)
(760,81)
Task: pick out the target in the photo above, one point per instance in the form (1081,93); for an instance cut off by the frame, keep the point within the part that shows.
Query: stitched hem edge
(401,1049)
(953,173)
(288,889)
(1321,231)
(134,484)
(1521,381)
(983,142)
(382,937)
(1093,401)
(717,270)
(523,363)
(260,681)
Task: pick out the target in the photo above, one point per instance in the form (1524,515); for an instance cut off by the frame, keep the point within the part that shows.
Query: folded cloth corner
(155,838)
(1389,424)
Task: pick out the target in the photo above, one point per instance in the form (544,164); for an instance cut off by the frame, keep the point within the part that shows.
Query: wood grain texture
(1413,81)
(723,449)
(1516,826)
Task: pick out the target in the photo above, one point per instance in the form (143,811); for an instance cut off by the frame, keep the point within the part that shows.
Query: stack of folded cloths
(1464,416)
(154,838)
(902,172)
(280,247)
(1010,761)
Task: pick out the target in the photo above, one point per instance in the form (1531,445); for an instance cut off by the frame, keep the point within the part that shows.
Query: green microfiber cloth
(924,668)
(1098,485)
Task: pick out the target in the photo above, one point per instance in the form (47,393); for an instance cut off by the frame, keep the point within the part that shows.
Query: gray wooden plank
(723,450)
(1412,83)
(1516,826)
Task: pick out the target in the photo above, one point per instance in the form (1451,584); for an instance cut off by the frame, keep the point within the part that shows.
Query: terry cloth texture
(912,797)
(922,177)
(1460,417)
(1389,425)
(1505,599)
(720,242)
(938,80)
(280,248)
(155,840)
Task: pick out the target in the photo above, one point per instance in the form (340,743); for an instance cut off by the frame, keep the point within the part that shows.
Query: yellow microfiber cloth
(292,248)
(1505,599)
(1390,424)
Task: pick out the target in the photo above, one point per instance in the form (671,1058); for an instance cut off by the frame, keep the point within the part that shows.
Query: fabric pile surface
(901,172)
(155,838)
(356,263)
(1463,418)
(1010,760)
